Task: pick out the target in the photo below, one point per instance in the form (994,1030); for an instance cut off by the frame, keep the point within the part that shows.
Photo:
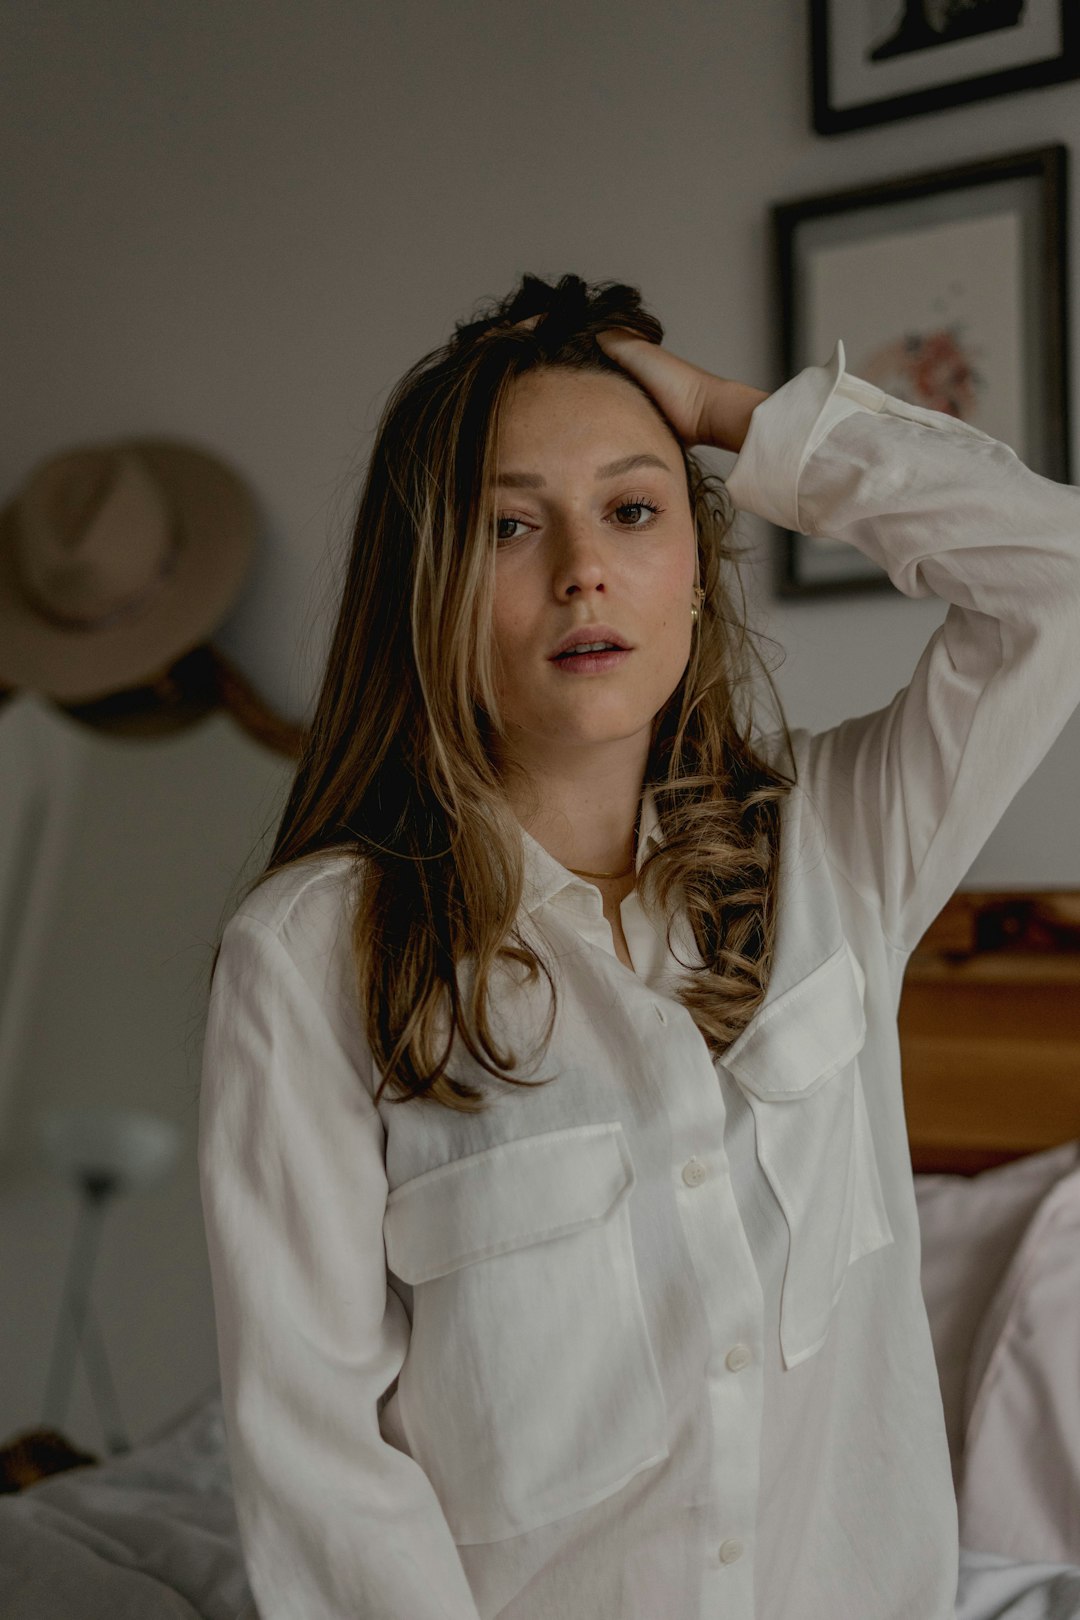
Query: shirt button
(738,1357)
(730,1550)
(694,1172)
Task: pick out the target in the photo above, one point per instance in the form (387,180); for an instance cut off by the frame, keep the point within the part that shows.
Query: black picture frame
(949,289)
(873,61)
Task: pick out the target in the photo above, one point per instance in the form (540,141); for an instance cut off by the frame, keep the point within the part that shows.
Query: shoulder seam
(313,877)
(313,1000)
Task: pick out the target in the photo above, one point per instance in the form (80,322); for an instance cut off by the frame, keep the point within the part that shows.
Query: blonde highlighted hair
(398,765)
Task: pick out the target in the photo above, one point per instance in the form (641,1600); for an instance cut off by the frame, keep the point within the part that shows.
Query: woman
(640,1336)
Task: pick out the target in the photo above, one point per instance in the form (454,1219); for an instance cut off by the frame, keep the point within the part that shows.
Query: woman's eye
(642,505)
(498,524)
(639,505)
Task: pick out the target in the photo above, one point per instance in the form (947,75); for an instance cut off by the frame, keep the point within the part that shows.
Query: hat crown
(117,558)
(95,537)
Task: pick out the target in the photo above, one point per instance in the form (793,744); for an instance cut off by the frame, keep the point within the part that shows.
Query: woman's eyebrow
(611,469)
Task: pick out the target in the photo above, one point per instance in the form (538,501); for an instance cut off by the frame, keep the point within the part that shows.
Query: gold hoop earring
(700,594)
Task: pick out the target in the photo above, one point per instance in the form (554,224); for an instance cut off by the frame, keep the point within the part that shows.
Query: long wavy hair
(398,766)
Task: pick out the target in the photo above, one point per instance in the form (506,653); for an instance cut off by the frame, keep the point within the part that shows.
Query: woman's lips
(592,663)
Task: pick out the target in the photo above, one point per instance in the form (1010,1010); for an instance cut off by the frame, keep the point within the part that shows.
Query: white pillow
(1020,1490)
(971,1227)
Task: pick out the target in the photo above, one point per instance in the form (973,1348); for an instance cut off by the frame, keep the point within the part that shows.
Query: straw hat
(115,559)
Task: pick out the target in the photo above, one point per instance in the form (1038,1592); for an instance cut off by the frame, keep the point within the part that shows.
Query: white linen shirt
(649,1342)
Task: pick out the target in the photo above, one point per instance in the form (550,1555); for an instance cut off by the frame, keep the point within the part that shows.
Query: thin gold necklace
(578,873)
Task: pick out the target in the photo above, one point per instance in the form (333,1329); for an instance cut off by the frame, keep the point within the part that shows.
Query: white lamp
(102,1152)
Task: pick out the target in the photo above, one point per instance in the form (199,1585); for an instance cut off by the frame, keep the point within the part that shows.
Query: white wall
(241,223)
(163,833)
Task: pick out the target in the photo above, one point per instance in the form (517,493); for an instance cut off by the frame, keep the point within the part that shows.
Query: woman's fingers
(679,388)
(683,391)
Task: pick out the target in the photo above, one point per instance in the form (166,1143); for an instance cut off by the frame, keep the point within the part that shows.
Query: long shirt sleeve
(335,1523)
(912,791)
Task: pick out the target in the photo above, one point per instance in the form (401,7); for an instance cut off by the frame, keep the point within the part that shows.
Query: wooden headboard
(990,1030)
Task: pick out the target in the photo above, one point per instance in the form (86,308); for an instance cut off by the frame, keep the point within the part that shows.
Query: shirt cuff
(786,428)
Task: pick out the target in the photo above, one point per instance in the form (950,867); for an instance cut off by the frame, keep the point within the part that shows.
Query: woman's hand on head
(701,407)
(680,389)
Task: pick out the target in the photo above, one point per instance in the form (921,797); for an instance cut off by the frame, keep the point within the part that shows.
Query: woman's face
(579,544)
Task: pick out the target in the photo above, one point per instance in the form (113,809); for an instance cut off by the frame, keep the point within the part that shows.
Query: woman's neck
(597,841)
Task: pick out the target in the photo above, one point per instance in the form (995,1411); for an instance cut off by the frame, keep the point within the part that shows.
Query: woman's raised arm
(911,792)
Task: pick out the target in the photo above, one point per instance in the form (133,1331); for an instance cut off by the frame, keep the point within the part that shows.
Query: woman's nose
(580,557)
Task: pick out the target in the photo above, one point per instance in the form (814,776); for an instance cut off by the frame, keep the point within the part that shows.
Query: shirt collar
(545,877)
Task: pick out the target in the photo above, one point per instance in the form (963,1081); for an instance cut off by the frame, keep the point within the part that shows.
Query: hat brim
(176,699)
(218,528)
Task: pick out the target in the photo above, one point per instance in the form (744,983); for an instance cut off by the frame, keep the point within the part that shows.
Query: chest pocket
(799,1069)
(530,1389)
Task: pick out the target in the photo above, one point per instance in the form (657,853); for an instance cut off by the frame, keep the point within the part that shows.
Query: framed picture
(875,60)
(948,288)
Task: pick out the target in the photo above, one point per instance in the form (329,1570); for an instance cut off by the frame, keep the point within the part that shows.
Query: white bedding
(992,1588)
(152,1535)
(147,1536)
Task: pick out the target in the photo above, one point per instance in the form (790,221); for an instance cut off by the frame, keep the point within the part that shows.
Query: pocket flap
(810,1032)
(516,1192)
